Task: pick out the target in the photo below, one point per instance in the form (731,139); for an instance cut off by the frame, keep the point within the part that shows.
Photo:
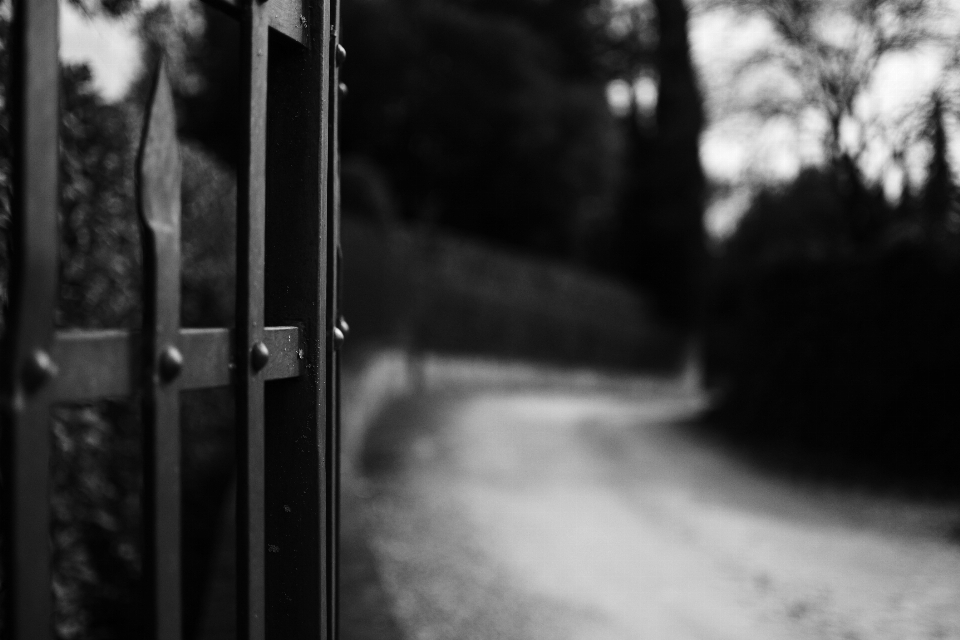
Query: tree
(95,474)
(476,124)
(200,47)
(94,500)
(826,56)
(99,266)
(662,240)
(598,40)
(939,191)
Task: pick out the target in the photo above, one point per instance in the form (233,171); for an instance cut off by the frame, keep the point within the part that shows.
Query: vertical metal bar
(251,353)
(333,319)
(297,449)
(25,365)
(158,195)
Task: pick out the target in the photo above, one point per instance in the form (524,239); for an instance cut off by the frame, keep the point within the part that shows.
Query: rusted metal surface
(104,364)
(158,194)
(290,18)
(252,355)
(26,368)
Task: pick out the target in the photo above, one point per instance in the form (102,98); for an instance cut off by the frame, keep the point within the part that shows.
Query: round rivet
(38,369)
(341,55)
(259,356)
(344,327)
(343,90)
(171,363)
(338,338)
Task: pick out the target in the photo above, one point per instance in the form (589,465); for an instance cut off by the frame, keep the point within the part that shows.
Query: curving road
(518,506)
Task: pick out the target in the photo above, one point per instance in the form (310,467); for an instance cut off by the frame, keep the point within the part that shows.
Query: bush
(844,350)
(96,466)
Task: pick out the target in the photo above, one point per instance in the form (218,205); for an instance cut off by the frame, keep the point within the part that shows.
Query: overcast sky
(108,46)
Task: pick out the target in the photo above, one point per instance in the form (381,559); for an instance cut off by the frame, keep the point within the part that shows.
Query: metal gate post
(300,500)
(26,366)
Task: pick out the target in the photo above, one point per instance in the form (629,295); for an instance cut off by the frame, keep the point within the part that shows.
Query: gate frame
(281,358)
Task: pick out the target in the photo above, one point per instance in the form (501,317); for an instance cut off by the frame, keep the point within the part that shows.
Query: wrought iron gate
(281,357)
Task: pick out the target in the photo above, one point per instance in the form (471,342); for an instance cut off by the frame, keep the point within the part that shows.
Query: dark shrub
(844,350)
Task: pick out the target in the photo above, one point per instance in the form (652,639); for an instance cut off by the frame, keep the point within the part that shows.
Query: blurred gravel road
(512,505)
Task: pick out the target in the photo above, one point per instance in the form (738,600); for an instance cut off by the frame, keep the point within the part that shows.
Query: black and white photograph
(480,319)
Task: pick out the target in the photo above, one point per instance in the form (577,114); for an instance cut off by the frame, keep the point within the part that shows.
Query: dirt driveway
(553,508)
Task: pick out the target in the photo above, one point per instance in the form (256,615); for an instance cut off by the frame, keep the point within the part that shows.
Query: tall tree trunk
(681,181)
(938,192)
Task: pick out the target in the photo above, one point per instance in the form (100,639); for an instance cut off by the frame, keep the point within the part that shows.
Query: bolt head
(171,364)
(38,370)
(259,356)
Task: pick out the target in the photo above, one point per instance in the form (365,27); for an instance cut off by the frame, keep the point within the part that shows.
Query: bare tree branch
(832,49)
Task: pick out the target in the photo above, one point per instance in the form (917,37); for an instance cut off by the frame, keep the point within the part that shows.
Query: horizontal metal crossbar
(288,17)
(98,364)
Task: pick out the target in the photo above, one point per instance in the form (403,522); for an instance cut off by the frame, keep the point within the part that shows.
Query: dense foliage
(472,115)
(833,328)
(489,118)
(95,501)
